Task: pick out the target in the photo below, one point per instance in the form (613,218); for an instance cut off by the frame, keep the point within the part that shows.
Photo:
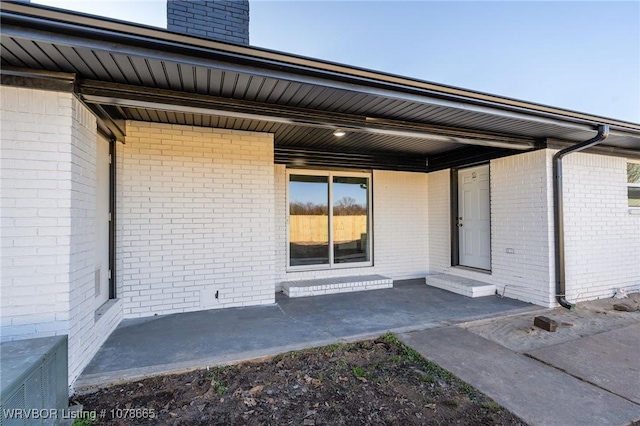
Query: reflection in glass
(308,220)
(634,197)
(633,178)
(633,172)
(350,219)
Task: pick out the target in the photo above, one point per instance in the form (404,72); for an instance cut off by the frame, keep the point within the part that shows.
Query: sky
(579,55)
(318,193)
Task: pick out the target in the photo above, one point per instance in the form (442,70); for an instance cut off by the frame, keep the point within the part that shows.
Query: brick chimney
(224,20)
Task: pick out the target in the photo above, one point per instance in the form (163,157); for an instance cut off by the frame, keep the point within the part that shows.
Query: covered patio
(179,342)
(176,158)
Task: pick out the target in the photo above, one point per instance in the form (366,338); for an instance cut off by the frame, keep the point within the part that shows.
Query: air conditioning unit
(34,381)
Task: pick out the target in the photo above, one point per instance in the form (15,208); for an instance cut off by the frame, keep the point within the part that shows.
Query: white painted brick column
(36,216)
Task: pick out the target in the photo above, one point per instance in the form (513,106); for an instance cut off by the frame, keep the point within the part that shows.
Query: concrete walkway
(171,343)
(539,393)
(610,360)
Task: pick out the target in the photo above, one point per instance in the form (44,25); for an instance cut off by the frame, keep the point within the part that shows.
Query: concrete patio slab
(410,305)
(537,393)
(610,360)
(172,343)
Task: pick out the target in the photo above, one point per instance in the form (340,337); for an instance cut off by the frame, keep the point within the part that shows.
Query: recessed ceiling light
(339,133)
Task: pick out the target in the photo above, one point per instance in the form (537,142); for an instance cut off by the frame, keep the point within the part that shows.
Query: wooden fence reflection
(313,229)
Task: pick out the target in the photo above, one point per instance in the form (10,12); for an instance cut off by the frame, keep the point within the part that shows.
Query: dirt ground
(371,382)
(588,318)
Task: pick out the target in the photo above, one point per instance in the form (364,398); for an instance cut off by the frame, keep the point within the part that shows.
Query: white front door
(473,221)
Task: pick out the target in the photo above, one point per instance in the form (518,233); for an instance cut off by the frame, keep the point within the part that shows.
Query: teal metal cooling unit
(34,381)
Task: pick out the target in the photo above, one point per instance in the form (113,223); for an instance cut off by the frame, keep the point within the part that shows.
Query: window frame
(631,185)
(330,174)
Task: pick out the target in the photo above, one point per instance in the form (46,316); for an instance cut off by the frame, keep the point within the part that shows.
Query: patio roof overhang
(125,71)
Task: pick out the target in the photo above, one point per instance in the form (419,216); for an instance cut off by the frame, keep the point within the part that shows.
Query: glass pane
(350,219)
(633,173)
(634,197)
(308,220)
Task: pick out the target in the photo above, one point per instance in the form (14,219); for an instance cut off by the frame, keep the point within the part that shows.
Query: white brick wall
(602,243)
(400,234)
(196,215)
(48,234)
(36,215)
(439,224)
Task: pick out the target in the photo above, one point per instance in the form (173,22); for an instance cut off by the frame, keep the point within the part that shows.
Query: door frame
(112,218)
(454,213)
(109,186)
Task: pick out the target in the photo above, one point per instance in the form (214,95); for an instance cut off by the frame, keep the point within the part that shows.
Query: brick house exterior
(201,211)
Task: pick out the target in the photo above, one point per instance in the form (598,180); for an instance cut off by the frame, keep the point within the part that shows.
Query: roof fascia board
(42,80)
(429,92)
(602,149)
(309,122)
(134,96)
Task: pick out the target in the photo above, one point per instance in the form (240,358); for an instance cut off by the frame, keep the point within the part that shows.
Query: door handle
(459,225)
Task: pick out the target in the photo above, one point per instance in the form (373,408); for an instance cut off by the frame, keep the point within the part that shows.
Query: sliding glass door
(308,220)
(350,219)
(329,219)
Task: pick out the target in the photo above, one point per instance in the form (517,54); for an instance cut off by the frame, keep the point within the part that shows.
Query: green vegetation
(434,372)
(359,372)
(395,358)
(85,420)
(492,407)
(411,355)
(218,385)
(333,347)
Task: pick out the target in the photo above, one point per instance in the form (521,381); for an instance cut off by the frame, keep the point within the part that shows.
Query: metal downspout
(558,210)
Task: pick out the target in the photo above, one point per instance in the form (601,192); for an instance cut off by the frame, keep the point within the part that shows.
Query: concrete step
(317,287)
(459,285)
